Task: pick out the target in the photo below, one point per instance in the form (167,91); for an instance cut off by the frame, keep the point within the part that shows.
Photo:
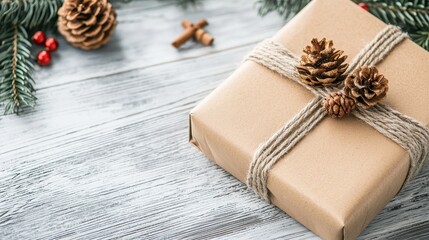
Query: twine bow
(410,134)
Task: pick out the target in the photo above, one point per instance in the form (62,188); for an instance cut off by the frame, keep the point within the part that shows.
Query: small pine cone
(338,105)
(366,85)
(322,65)
(86,24)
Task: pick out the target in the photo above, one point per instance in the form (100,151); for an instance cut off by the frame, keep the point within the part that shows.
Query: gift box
(343,172)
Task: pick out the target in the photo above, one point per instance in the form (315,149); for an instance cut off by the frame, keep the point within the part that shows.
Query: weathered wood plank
(143,38)
(105,154)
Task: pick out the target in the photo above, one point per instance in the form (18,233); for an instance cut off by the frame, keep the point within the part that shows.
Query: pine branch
(421,38)
(32,14)
(188,3)
(286,8)
(16,82)
(411,16)
(185,4)
(403,13)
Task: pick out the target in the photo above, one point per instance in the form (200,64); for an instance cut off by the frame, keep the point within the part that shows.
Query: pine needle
(411,15)
(16,82)
(285,8)
(14,64)
(32,14)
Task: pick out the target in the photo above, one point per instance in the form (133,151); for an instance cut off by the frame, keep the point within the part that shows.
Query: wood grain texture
(105,155)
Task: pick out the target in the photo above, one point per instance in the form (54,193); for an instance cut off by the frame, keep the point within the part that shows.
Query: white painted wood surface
(105,155)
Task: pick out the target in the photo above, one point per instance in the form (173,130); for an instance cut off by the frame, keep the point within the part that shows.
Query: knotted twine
(410,134)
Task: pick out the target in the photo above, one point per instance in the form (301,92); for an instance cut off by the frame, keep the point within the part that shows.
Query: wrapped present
(268,123)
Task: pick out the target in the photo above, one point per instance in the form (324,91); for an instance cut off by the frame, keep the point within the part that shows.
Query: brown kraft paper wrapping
(342,174)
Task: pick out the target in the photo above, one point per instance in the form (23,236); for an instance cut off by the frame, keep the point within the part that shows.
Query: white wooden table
(105,155)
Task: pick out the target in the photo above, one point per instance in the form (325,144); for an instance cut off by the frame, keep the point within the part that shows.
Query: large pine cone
(337,104)
(322,65)
(86,24)
(366,85)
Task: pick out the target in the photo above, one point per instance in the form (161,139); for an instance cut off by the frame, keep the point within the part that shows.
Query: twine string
(410,134)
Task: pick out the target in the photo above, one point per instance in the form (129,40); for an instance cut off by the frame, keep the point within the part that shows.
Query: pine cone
(366,85)
(86,24)
(338,105)
(322,65)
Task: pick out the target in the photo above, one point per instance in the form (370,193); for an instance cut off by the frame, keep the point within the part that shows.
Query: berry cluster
(50,44)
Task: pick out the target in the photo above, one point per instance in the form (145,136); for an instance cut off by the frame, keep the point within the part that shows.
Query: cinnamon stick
(184,37)
(195,31)
(203,37)
(199,24)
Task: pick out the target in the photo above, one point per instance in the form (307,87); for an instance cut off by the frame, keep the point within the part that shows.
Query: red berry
(43,58)
(51,44)
(364,6)
(39,38)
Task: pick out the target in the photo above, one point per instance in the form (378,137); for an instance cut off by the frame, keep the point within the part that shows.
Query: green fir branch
(32,14)
(285,8)
(185,4)
(421,38)
(411,16)
(403,13)
(16,81)
(188,3)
